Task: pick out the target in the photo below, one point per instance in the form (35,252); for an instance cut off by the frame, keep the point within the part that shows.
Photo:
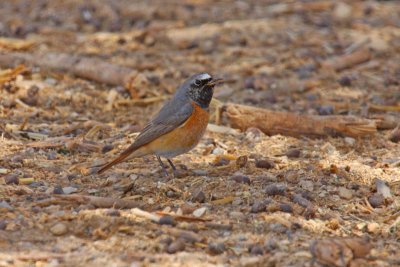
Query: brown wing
(171,116)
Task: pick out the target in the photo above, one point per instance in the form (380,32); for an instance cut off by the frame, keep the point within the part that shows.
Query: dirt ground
(242,198)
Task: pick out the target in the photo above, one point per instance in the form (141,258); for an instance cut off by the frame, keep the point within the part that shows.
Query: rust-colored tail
(119,159)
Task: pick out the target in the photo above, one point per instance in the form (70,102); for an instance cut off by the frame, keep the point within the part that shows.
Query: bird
(177,127)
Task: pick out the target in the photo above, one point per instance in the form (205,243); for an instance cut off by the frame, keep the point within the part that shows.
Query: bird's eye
(197,82)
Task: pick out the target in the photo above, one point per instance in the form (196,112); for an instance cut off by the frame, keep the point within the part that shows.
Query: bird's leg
(173,168)
(162,166)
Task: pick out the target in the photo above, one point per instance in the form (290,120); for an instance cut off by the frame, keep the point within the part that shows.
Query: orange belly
(180,140)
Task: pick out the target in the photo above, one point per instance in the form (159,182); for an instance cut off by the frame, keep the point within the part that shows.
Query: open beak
(215,82)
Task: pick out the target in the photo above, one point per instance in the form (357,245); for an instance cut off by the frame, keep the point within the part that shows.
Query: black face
(201,89)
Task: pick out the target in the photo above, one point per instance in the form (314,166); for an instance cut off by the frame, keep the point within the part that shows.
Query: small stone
(58,190)
(69,190)
(11,179)
(59,229)
(307,185)
(345,193)
(239,178)
(258,206)
(198,196)
(176,246)
(241,161)
(275,189)
(293,153)
(286,207)
(373,228)
(5,205)
(218,151)
(167,220)
(342,11)
(51,155)
(265,163)
(199,212)
(350,141)
(395,135)
(256,250)
(216,248)
(220,162)
(325,110)
(376,200)
(344,81)
(3,224)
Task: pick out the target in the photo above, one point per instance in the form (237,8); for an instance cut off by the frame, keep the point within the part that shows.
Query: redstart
(178,126)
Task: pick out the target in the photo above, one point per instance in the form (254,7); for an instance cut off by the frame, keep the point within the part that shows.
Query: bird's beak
(215,82)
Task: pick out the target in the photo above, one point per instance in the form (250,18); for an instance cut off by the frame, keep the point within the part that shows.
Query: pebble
(198,196)
(240,178)
(286,208)
(216,248)
(112,213)
(376,200)
(265,163)
(11,179)
(350,141)
(395,136)
(344,81)
(69,190)
(307,185)
(275,189)
(345,193)
(218,151)
(236,215)
(167,220)
(293,153)
(5,205)
(58,190)
(256,250)
(59,229)
(342,11)
(107,148)
(373,228)
(51,155)
(258,206)
(325,110)
(199,212)
(176,246)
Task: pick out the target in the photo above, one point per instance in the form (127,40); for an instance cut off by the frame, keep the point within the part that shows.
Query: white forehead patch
(204,76)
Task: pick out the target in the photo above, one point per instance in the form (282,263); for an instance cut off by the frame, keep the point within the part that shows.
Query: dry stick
(274,122)
(84,67)
(102,202)
(347,61)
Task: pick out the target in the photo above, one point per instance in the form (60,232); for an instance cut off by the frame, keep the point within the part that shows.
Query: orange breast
(183,138)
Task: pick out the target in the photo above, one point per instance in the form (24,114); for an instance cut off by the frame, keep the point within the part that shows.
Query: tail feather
(119,159)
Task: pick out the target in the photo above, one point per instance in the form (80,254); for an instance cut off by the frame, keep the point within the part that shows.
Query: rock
(275,189)
(307,185)
(199,212)
(382,188)
(345,193)
(395,135)
(293,153)
(11,179)
(325,110)
(5,205)
(258,206)
(265,163)
(216,248)
(344,81)
(350,141)
(218,151)
(240,178)
(342,11)
(113,213)
(376,200)
(167,220)
(58,190)
(256,249)
(373,228)
(198,196)
(59,229)
(69,190)
(286,207)
(176,246)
